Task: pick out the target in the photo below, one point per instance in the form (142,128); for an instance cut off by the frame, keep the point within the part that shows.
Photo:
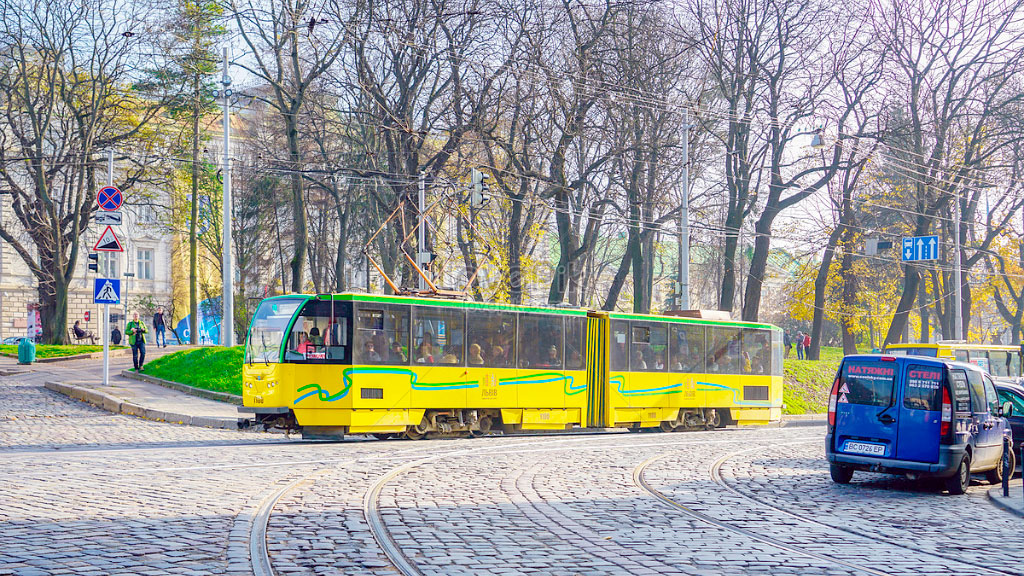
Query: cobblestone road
(87,492)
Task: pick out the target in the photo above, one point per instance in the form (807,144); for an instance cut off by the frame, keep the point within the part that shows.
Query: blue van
(915,416)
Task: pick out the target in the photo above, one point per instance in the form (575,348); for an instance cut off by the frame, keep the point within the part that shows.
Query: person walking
(787,341)
(159,326)
(799,345)
(136,330)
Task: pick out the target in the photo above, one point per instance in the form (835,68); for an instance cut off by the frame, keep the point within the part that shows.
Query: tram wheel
(667,426)
(413,435)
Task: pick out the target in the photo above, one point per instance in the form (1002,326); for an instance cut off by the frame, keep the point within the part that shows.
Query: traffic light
(94,264)
(478,195)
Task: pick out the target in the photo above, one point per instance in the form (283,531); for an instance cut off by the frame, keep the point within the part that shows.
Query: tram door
(598,409)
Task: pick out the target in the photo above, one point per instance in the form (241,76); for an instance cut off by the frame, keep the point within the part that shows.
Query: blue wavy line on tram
(735,394)
(570,387)
(326,396)
(620,382)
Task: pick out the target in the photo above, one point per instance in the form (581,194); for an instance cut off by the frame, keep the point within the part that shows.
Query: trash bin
(26,351)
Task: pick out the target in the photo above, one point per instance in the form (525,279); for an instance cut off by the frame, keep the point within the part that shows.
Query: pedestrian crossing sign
(106,291)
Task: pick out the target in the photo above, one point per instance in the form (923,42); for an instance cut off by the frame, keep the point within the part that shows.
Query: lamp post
(227,326)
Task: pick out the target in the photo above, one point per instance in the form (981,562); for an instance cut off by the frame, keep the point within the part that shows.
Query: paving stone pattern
(88,492)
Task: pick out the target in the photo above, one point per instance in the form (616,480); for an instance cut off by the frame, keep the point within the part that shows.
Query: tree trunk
(820,284)
(514,242)
(758,266)
(732,238)
(849,295)
(922,305)
(567,247)
(911,278)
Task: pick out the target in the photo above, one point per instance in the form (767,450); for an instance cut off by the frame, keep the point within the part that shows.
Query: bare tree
(65,71)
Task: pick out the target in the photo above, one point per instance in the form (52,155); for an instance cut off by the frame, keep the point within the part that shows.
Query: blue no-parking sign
(106,291)
(109,198)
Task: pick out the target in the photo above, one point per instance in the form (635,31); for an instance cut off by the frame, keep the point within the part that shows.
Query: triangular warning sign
(108,242)
(843,389)
(107,293)
(843,400)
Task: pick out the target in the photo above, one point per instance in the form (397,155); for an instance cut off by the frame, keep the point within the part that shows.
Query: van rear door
(921,415)
(866,416)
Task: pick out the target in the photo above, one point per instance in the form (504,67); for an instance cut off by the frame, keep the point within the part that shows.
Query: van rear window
(868,383)
(924,388)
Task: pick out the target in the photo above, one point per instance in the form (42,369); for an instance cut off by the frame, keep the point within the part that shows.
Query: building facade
(147,254)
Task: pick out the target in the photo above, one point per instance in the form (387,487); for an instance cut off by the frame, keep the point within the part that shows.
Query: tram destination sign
(920,248)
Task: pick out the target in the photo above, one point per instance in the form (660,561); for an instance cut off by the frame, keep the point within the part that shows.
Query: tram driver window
(319,333)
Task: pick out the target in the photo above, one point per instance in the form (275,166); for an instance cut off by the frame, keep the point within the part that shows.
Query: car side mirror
(1007,409)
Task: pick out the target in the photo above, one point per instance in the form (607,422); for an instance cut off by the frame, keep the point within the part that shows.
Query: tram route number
(865,448)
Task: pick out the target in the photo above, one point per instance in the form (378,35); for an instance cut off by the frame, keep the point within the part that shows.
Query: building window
(110,265)
(144,264)
(146,214)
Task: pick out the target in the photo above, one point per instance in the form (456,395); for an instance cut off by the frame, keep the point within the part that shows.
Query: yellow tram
(336,364)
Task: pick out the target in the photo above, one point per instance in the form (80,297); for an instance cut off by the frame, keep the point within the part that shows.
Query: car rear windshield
(924,388)
(868,383)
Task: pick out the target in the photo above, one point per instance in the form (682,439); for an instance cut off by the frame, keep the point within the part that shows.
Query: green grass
(214,368)
(56,350)
(808,382)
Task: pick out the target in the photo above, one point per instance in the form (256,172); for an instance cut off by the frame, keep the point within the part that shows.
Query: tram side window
(319,334)
(1014,363)
(687,348)
(619,350)
(492,339)
(540,341)
(960,355)
(575,342)
(756,355)
(979,358)
(724,350)
(999,363)
(382,335)
(439,336)
(648,348)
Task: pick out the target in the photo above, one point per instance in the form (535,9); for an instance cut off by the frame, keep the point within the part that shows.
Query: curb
(191,390)
(803,420)
(995,495)
(118,406)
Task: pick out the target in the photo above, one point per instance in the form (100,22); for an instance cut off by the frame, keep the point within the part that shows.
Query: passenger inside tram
(475,358)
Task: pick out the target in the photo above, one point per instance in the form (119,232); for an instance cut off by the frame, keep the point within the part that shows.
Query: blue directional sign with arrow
(920,248)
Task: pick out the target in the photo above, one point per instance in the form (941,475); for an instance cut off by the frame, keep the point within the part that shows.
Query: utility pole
(958,308)
(227,324)
(421,245)
(684,223)
(106,307)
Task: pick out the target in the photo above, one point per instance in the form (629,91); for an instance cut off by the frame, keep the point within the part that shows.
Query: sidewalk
(83,380)
(1015,503)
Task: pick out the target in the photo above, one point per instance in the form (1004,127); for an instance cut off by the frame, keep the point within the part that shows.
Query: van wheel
(840,474)
(995,475)
(957,483)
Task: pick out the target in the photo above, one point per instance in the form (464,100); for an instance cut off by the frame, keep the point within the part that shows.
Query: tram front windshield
(269,326)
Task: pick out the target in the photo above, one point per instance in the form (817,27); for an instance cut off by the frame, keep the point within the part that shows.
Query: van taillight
(947,414)
(832,398)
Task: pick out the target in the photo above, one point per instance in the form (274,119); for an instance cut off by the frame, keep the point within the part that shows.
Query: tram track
(716,476)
